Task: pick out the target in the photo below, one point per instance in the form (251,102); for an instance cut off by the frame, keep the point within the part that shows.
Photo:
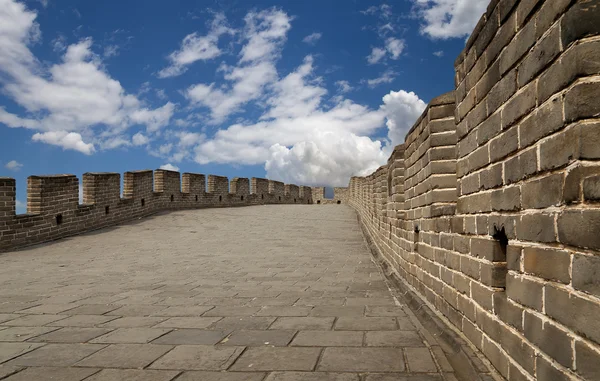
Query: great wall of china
(489,212)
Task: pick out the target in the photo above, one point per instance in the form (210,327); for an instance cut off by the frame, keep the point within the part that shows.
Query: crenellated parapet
(490,210)
(53,209)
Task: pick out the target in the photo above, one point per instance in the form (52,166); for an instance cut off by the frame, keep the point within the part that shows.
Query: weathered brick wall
(53,209)
(340,195)
(492,214)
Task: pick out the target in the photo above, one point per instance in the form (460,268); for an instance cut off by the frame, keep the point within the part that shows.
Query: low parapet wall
(490,210)
(53,209)
(340,195)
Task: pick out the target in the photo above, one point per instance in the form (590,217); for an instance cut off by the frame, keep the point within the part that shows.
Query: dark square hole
(59,219)
(143,202)
(172,198)
(106,209)
(196,197)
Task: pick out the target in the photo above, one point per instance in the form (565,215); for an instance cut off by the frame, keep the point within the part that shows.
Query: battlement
(490,210)
(53,209)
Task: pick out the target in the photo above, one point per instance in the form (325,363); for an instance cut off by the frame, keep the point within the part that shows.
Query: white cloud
(344,86)
(139,139)
(312,39)
(13,165)
(402,109)
(439,53)
(197,48)
(66,140)
(445,19)
(387,76)
(169,167)
(111,51)
(264,33)
(376,55)
(394,46)
(75,103)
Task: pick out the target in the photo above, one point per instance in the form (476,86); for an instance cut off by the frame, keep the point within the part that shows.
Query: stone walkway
(277,293)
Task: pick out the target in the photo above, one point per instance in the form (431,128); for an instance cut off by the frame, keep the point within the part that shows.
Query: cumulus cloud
(73,104)
(66,140)
(197,48)
(386,26)
(312,39)
(344,86)
(394,46)
(443,19)
(13,165)
(169,167)
(387,76)
(376,55)
(264,35)
(139,139)
(402,109)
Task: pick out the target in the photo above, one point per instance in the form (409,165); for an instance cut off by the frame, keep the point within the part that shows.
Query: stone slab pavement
(277,293)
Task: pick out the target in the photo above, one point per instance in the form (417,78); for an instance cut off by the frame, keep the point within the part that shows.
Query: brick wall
(340,195)
(490,210)
(53,209)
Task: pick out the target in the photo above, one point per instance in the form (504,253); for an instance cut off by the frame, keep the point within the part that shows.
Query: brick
(513,257)
(586,273)
(547,263)
(518,348)
(475,203)
(507,311)
(493,274)
(504,144)
(545,120)
(501,92)
(587,360)
(572,191)
(491,177)
(483,295)
(549,338)
(580,20)
(541,55)
(524,10)
(560,149)
(543,192)
(520,167)
(520,105)
(547,371)
(524,290)
(580,228)
(574,311)
(536,228)
(506,199)
(581,101)
(580,60)
(591,188)
(487,249)
(522,42)
(496,356)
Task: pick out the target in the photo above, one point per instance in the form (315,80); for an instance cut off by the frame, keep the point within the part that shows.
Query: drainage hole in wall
(196,197)
(500,236)
(318,201)
(143,202)
(106,209)
(339,202)
(294,201)
(279,198)
(59,219)
(262,196)
(242,198)
(172,198)
(220,198)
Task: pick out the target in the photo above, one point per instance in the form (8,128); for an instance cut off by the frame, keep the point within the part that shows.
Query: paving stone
(316,376)
(82,321)
(220,376)
(92,309)
(406,377)
(369,302)
(131,336)
(284,311)
(183,311)
(362,360)
(366,324)
(7,317)
(133,375)
(134,322)
(11,350)
(6,371)
(8,307)
(420,360)
(232,311)
(187,322)
(308,301)
(49,308)
(277,358)
(233,302)
(23,333)
(191,336)
(198,357)
(137,310)
(70,335)
(238,323)
(303,323)
(279,301)
(52,374)
(56,355)
(375,311)
(393,339)
(259,338)
(338,311)
(34,320)
(328,339)
(125,356)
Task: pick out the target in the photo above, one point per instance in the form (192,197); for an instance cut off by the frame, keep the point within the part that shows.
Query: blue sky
(306,92)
